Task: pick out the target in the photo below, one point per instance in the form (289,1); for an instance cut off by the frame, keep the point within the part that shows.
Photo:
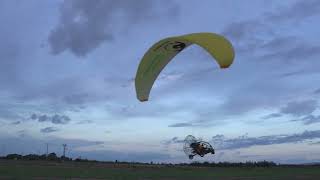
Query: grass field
(71,170)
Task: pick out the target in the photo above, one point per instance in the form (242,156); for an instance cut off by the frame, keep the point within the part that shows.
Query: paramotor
(193,147)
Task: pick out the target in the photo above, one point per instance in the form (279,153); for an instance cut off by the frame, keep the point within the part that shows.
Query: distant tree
(31,157)
(52,157)
(13,156)
(81,160)
(64,158)
(229,164)
(43,157)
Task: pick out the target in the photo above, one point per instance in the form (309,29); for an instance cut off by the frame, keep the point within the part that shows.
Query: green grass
(30,170)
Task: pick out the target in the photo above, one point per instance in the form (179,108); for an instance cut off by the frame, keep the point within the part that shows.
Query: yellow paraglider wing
(161,53)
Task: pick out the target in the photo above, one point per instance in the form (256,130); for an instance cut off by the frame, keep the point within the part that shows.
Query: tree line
(34,157)
(54,157)
(235,164)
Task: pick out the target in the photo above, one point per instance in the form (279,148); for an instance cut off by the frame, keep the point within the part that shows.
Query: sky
(67,72)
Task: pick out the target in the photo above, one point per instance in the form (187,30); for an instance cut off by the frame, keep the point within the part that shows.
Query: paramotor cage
(193,147)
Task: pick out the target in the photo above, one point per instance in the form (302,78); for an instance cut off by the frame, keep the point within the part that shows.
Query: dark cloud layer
(49,130)
(244,141)
(76,98)
(85,25)
(280,42)
(174,140)
(317,91)
(55,119)
(181,125)
(300,51)
(299,11)
(16,123)
(258,34)
(300,108)
(246,35)
(8,114)
(294,73)
(309,119)
(315,143)
(223,143)
(273,115)
(85,122)
(242,30)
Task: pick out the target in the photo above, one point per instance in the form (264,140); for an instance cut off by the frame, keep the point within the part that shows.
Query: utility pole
(3,150)
(47,149)
(64,149)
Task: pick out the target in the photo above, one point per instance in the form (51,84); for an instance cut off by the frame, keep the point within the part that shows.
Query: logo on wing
(175,46)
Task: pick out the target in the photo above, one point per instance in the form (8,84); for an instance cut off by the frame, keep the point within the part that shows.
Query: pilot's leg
(212,152)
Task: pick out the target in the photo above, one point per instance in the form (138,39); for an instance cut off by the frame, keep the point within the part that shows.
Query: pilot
(198,148)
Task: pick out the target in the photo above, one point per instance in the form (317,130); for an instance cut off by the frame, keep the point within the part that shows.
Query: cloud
(167,78)
(298,109)
(317,91)
(25,144)
(300,10)
(273,115)
(8,114)
(85,25)
(55,119)
(112,155)
(247,35)
(221,142)
(181,125)
(315,143)
(301,108)
(259,34)
(174,140)
(296,53)
(260,39)
(16,123)
(254,36)
(309,119)
(253,96)
(22,133)
(49,130)
(77,143)
(280,43)
(59,88)
(11,50)
(242,30)
(287,49)
(76,98)
(28,144)
(85,122)
(294,73)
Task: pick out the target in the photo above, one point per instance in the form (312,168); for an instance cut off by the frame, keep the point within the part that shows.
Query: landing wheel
(190,156)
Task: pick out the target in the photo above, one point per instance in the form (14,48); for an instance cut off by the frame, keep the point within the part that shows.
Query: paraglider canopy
(161,53)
